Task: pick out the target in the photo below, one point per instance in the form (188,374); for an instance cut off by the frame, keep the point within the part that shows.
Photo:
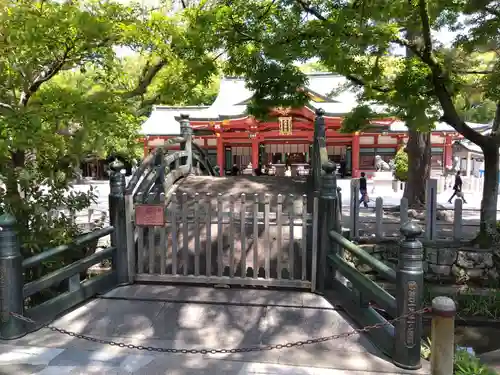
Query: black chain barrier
(220,351)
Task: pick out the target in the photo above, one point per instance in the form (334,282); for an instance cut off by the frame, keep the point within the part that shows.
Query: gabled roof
(326,88)
(327,91)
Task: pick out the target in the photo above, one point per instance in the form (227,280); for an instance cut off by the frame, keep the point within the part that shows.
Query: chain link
(221,351)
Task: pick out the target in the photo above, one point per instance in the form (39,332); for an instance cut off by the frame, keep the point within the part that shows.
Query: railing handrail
(66,272)
(136,176)
(35,260)
(365,285)
(384,270)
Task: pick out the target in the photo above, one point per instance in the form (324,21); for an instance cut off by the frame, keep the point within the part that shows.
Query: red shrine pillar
(220,153)
(448,151)
(355,155)
(255,152)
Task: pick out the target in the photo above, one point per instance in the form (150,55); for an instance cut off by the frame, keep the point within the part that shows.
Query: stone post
(409,296)
(187,133)
(328,220)
(118,219)
(442,336)
(11,280)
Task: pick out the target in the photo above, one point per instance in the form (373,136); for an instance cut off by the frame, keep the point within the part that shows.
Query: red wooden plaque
(150,215)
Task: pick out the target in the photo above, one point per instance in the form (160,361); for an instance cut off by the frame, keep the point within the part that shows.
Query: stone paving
(198,318)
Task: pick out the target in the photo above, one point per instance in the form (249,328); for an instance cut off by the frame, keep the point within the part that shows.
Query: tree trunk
(419,162)
(488,218)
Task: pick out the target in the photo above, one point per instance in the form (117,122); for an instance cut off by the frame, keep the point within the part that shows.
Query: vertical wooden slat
(255,217)
(243,234)
(379,217)
(208,223)
(174,230)
(151,241)
(304,237)
(163,239)
(140,249)
(185,234)
(231,236)
(140,240)
(279,229)
(220,235)
(196,213)
(267,238)
(314,244)
(291,240)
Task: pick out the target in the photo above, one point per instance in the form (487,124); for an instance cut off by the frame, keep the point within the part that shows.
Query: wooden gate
(259,240)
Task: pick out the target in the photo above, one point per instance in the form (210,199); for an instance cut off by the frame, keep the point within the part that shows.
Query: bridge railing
(160,170)
(46,297)
(364,300)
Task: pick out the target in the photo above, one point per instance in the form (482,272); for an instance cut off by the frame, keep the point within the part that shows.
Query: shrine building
(231,136)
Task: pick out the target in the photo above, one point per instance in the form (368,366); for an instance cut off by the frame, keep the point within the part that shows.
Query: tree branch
(4,107)
(45,75)
(148,74)
(312,11)
(360,82)
(479,72)
(426,28)
(450,114)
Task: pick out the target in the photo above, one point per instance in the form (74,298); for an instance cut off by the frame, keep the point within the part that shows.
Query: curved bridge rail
(160,170)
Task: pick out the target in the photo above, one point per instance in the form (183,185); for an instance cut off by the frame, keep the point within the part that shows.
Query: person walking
(457,188)
(363,189)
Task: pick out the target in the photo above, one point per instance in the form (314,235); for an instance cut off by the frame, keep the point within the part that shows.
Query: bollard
(409,294)
(327,221)
(442,336)
(11,280)
(118,219)
(187,133)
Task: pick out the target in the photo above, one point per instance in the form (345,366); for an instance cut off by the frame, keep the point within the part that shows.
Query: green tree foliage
(401,165)
(65,93)
(387,49)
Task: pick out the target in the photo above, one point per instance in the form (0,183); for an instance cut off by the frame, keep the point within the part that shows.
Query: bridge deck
(197,318)
(235,185)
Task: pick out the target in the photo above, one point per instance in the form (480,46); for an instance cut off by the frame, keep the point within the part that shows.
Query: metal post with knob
(409,298)
(328,220)
(11,280)
(118,219)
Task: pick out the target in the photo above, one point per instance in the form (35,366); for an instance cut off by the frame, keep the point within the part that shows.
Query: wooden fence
(438,222)
(261,241)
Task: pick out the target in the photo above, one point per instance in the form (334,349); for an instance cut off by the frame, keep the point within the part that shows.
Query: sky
(445,36)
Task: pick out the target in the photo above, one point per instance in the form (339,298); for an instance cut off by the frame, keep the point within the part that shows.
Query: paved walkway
(197,318)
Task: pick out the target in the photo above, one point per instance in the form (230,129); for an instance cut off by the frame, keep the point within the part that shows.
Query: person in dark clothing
(363,189)
(342,169)
(235,170)
(457,188)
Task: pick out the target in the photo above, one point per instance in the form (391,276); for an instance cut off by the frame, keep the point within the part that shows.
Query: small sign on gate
(150,215)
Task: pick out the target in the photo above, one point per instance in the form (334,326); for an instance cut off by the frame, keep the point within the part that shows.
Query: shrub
(468,364)
(401,165)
